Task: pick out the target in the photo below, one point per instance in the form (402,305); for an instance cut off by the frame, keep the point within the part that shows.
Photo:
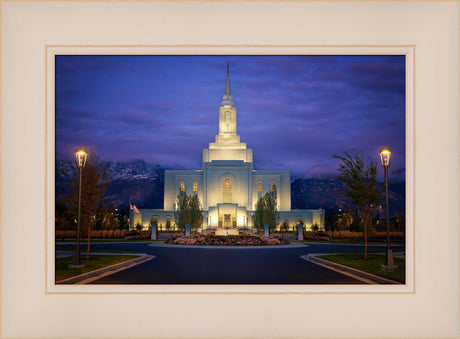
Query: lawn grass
(354,242)
(371,265)
(348,242)
(95,261)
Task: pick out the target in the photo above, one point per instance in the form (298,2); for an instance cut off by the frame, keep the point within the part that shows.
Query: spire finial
(227,99)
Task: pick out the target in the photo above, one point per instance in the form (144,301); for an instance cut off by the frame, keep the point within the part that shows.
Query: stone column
(300,233)
(266,230)
(187,229)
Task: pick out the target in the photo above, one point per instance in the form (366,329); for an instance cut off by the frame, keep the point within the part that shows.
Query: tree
(123,219)
(315,227)
(332,220)
(266,212)
(285,226)
(399,221)
(361,188)
(99,218)
(188,210)
(96,177)
(356,224)
(64,217)
(139,227)
(110,222)
(345,219)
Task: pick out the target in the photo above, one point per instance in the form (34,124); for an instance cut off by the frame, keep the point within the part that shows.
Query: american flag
(134,208)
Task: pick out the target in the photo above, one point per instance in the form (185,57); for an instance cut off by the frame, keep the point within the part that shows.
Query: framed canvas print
(135,195)
(206,177)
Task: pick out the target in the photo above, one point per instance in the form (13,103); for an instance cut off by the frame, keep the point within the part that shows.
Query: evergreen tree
(332,220)
(188,210)
(123,219)
(266,212)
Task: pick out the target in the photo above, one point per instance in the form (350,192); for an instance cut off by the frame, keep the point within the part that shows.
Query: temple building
(227,184)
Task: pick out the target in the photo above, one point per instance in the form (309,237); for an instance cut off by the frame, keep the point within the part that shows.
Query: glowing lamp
(385,155)
(80,157)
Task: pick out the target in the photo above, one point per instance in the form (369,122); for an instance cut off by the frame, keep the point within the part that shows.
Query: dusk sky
(295,112)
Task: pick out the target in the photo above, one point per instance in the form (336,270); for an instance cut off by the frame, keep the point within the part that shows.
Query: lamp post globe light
(80,157)
(385,155)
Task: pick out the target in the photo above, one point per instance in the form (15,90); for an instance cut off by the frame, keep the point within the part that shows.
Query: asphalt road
(257,265)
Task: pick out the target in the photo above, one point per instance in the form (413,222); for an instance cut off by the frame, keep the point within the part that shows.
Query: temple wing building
(227,184)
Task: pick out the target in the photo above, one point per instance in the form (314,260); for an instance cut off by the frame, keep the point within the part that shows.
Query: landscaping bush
(231,240)
(132,235)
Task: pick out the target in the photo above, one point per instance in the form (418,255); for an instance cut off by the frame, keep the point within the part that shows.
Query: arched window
(272,187)
(227,185)
(182,187)
(259,187)
(195,187)
(227,188)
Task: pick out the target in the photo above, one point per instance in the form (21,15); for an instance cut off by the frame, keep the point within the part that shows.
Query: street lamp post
(80,156)
(385,155)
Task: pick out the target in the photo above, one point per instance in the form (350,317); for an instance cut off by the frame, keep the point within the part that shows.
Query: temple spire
(227,98)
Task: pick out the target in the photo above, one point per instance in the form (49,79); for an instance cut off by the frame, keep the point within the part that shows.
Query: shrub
(232,240)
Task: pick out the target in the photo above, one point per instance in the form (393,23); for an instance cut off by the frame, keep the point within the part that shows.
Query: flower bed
(231,240)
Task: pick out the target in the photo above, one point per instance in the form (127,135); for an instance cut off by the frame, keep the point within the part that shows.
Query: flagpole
(131,218)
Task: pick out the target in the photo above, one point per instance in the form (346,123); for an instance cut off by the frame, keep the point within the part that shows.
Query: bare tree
(96,177)
(361,188)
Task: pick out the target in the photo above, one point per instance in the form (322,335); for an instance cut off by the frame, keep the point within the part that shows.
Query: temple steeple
(227,98)
(227,145)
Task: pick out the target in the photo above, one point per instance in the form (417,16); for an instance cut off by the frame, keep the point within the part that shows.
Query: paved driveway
(255,265)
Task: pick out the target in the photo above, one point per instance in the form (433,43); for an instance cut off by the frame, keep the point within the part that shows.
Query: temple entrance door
(227,221)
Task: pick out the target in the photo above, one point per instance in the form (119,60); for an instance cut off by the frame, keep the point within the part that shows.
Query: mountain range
(143,184)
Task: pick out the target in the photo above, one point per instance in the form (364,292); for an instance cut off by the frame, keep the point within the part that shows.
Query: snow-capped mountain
(136,181)
(143,184)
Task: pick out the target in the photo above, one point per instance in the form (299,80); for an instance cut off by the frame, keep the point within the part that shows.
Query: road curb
(228,247)
(353,272)
(87,277)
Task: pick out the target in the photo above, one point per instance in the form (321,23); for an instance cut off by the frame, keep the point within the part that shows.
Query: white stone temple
(227,184)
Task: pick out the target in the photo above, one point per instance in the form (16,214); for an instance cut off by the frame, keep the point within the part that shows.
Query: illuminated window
(259,187)
(227,185)
(195,187)
(272,187)
(182,187)
(227,121)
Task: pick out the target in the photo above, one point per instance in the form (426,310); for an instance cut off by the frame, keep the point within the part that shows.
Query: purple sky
(295,112)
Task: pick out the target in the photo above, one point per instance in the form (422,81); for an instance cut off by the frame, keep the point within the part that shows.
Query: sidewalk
(64,254)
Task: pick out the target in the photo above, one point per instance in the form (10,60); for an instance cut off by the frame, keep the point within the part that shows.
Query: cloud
(294,111)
